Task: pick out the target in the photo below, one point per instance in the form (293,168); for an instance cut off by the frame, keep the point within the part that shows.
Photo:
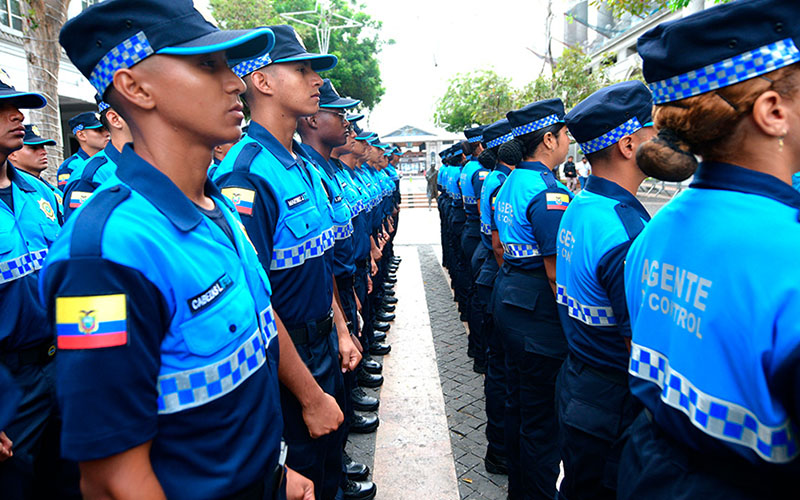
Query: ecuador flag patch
(241,198)
(91,322)
(557,201)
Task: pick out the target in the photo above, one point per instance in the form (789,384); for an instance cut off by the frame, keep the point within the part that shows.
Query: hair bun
(667,157)
(510,153)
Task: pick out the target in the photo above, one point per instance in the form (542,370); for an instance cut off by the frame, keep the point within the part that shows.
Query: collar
(266,139)
(159,190)
(18,179)
(727,177)
(503,169)
(83,154)
(215,161)
(536,166)
(112,153)
(611,189)
(318,159)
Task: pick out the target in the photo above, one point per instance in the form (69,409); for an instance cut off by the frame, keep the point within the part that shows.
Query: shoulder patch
(62,179)
(77,198)
(482,174)
(242,199)
(557,201)
(91,322)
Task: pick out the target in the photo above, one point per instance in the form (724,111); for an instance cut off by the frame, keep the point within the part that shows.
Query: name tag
(297,200)
(210,294)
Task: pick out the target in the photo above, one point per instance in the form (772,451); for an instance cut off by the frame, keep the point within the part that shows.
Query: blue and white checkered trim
(102,106)
(477,138)
(590,315)
(456,196)
(611,137)
(77,129)
(343,232)
(24,265)
(716,417)
(285,258)
(520,250)
(537,125)
(198,386)
(470,200)
(246,67)
(124,55)
(486,229)
(500,140)
(268,326)
(728,72)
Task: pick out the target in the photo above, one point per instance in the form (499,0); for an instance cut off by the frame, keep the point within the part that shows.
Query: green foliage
(644,7)
(357,74)
(478,97)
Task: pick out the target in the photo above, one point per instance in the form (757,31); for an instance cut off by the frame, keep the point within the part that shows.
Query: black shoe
(479,367)
(391,279)
(361,424)
(371,365)
(388,293)
(388,287)
(359,490)
(366,379)
(379,336)
(355,471)
(381,326)
(382,316)
(363,402)
(379,349)
(397,260)
(495,464)
(392,268)
(387,308)
(390,300)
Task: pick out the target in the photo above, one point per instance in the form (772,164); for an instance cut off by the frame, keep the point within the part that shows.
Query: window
(10,14)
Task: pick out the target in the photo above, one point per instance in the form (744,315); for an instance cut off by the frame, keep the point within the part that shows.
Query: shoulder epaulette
(87,235)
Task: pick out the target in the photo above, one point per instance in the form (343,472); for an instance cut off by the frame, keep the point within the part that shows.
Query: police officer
(443,205)
(528,210)
(29,223)
(287,212)
(595,405)
(32,158)
(714,310)
(494,136)
(92,137)
(87,176)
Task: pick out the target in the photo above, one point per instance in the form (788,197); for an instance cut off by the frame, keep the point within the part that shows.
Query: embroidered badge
(91,322)
(76,198)
(242,198)
(557,201)
(297,200)
(46,209)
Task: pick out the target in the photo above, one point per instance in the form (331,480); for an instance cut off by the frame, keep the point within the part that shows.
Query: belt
(534,273)
(614,376)
(36,355)
(302,334)
(269,486)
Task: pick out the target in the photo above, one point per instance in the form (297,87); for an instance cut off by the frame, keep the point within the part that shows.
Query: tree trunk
(42,23)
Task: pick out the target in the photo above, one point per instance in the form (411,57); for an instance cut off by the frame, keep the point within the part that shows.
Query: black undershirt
(218,218)
(7,196)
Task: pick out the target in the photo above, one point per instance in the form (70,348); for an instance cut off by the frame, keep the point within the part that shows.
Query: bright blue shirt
(471,181)
(67,166)
(86,177)
(712,291)
(489,190)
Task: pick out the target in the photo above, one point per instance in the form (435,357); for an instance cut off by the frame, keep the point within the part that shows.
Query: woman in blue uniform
(711,289)
(528,210)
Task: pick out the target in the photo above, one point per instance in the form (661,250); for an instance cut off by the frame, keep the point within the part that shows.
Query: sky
(437,39)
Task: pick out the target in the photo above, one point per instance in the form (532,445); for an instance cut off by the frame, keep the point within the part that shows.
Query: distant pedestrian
(584,169)
(432,177)
(570,173)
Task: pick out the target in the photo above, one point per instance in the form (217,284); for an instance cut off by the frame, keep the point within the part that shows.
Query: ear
(261,82)
(549,140)
(127,82)
(81,135)
(626,147)
(770,114)
(311,121)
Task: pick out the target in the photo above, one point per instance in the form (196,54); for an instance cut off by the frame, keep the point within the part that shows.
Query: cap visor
(354,118)
(25,100)
(319,62)
(240,45)
(365,136)
(341,103)
(38,142)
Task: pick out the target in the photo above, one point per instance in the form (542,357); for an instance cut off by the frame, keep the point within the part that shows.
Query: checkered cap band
(520,251)
(245,68)
(102,106)
(77,129)
(590,315)
(23,265)
(198,386)
(537,125)
(477,138)
(500,140)
(716,417)
(725,73)
(124,55)
(611,137)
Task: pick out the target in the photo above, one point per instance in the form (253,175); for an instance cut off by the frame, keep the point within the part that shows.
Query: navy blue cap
(536,116)
(720,46)
(101,104)
(329,98)
(497,133)
(32,137)
(456,149)
(288,47)
(475,134)
(608,115)
(84,121)
(362,135)
(117,34)
(353,118)
(25,100)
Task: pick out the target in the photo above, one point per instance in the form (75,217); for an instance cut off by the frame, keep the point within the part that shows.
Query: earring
(780,141)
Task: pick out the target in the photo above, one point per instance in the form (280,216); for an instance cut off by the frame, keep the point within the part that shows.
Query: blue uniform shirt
(489,190)
(713,297)
(25,238)
(593,238)
(284,206)
(67,166)
(453,187)
(528,211)
(471,181)
(165,333)
(86,177)
(354,192)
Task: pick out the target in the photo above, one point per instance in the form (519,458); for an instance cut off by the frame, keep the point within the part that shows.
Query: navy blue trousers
(470,242)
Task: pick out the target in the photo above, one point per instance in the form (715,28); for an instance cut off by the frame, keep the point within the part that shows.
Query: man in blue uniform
(595,405)
(92,137)
(29,223)
(443,205)
(168,356)
(287,212)
(32,158)
(459,272)
(86,177)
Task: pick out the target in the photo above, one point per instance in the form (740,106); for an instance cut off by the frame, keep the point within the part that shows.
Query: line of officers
(652,359)
(196,328)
